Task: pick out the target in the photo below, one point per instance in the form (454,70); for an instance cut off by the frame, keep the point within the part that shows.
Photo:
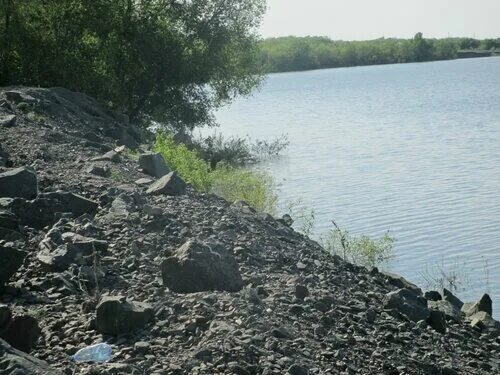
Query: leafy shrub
(254,187)
(303,216)
(362,250)
(236,151)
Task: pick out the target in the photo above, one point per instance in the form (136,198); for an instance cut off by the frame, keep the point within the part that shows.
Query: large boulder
(10,261)
(153,164)
(450,310)
(170,184)
(5,315)
(400,282)
(452,299)
(19,182)
(15,362)
(408,303)
(73,203)
(484,322)
(484,304)
(116,315)
(22,332)
(59,251)
(198,267)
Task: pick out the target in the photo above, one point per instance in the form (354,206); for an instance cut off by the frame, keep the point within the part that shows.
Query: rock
(116,315)
(432,295)
(11,261)
(482,320)
(301,291)
(484,304)
(73,203)
(142,347)
(71,249)
(437,320)
(108,156)
(370,315)
(153,164)
(407,302)
(8,121)
(298,370)
(5,315)
(286,220)
(8,220)
(446,370)
(400,282)
(98,170)
(451,298)
(143,181)
(15,362)
(171,184)
(152,210)
(19,182)
(451,311)
(22,332)
(19,97)
(198,267)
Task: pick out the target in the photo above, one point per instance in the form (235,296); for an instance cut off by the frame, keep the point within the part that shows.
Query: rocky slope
(96,246)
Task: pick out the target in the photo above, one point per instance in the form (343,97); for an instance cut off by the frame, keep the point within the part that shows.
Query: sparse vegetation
(256,188)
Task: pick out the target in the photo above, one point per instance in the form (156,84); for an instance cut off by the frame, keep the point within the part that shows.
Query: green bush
(362,250)
(254,187)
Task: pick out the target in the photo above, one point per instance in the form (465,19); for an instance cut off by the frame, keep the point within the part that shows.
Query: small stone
(298,370)
(152,210)
(142,347)
(301,266)
(109,156)
(99,171)
(301,291)
(153,164)
(171,184)
(116,315)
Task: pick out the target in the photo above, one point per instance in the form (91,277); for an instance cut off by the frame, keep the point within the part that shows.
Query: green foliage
(235,151)
(304,217)
(304,53)
(168,61)
(254,187)
(361,250)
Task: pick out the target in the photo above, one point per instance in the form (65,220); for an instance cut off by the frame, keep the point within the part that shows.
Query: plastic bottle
(95,353)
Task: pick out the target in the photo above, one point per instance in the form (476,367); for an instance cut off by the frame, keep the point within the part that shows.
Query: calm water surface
(412,148)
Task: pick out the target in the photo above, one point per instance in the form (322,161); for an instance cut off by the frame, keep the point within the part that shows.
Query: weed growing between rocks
(257,188)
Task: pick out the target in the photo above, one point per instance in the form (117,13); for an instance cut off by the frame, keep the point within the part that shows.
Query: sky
(371,19)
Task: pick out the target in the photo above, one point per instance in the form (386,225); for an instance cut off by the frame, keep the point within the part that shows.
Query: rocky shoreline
(97,246)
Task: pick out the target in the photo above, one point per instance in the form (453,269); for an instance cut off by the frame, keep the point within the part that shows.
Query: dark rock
(22,332)
(8,121)
(483,321)
(73,203)
(449,371)
(109,156)
(15,362)
(198,267)
(154,165)
(19,97)
(19,182)
(298,370)
(281,333)
(484,304)
(10,261)
(451,298)
(370,315)
(116,315)
(433,295)
(437,320)
(301,291)
(400,282)
(5,315)
(8,220)
(171,184)
(286,220)
(408,303)
(98,170)
(451,311)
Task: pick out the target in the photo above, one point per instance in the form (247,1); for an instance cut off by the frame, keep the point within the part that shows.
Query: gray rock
(116,315)
(20,182)
(143,181)
(153,164)
(198,267)
(484,304)
(437,320)
(98,170)
(19,97)
(108,156)
(400,282)
(483,321)
(171,184)
(298,370)
(450,310)
(22,332)
(301,291)
(8,220)
(73,203)
(15,362)
(152,210)
(451,298)
(408,303)
(8,121)
(11,261)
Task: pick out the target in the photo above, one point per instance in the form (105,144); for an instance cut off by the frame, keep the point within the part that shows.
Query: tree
(170,61)
(422,49)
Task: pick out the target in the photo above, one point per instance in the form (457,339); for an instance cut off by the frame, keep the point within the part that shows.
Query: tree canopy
(170,61)
(303,53)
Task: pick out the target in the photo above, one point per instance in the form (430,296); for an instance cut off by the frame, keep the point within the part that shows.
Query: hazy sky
(370,19)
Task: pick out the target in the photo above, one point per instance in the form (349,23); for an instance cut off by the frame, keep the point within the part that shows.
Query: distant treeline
(305,53)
